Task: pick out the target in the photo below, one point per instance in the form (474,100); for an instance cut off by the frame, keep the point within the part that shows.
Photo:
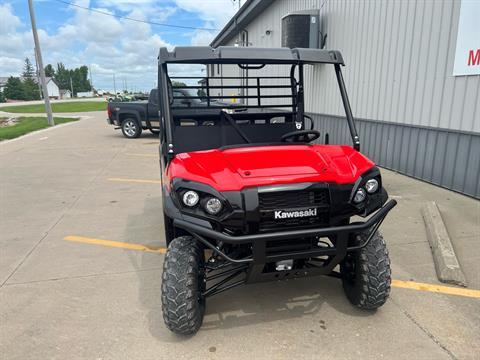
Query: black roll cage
(246,58)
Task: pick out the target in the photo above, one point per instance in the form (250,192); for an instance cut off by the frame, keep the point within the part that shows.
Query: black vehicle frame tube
(216,288)
(293,87)
(198,230)
(164,101)
(348,110)
(225,288)
(300,103)
(225,272)
(217,250)
(370,236)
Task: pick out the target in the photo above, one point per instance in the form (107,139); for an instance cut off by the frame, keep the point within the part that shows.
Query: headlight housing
(199,200)
(190,198)
(360,196)
(213,206)
(371,186)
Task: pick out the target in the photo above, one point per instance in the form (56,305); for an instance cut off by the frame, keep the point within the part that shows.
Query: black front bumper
(259,242)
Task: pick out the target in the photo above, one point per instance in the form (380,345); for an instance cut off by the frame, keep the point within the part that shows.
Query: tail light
(109,111)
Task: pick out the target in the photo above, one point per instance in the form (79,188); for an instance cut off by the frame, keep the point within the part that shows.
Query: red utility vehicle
(248,196)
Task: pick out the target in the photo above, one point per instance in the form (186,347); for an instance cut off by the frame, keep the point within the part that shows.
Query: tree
(2,97)
(28,70)
(62,76)
(79,78)
(178,84)
(84,83)
(30,89)
(49,71)
(14,89)
(30,85)
(201,94)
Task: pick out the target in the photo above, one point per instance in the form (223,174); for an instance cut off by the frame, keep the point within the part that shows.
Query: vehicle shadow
(273,301)
(145,135)
(243,306)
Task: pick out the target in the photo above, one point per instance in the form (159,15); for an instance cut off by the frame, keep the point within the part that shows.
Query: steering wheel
(305,136)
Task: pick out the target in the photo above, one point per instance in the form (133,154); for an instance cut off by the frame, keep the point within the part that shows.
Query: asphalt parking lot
(82,251)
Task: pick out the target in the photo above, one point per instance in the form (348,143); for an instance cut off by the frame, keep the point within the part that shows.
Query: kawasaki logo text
(281,214)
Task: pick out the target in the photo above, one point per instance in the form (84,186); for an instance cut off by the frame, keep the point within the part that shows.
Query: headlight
(213,206)
(190,198)
(371,186)
(359,196)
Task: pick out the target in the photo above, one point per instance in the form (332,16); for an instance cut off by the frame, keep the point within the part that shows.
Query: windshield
(182,97)
(257,102)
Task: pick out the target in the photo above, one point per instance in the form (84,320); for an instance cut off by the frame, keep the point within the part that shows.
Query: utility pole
(91,77)
(38,75)
(114,85)
(71,85)
(38,51)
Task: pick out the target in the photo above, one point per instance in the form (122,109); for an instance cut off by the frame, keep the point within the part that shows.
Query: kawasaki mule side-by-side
(247,194)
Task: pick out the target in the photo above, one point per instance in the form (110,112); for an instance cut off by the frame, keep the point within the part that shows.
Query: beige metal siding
(399,56)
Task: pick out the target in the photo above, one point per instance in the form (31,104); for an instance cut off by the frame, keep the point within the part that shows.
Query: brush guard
(251,269)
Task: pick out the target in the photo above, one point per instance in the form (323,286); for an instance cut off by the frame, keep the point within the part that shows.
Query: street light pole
(48,108)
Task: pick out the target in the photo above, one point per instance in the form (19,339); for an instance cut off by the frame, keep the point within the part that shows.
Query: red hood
(234,169)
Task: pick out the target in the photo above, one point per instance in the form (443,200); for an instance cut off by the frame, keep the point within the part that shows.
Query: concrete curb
(446,264)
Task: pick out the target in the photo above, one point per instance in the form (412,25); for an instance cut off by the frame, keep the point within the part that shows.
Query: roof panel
(248,55)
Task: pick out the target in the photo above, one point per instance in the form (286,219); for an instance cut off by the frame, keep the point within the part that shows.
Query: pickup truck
(135,116)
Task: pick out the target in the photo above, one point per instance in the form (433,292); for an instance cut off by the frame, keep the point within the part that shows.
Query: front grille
(268,224)
(269,202)
(293,199)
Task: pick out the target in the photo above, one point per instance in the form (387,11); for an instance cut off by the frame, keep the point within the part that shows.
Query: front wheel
(366,274)
(131,129)
(183,304)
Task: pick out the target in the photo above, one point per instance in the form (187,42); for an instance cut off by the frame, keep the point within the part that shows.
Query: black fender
(131,113)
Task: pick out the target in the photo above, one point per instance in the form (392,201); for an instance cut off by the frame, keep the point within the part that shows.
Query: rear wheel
(131,129)
(183,304)
(366,274)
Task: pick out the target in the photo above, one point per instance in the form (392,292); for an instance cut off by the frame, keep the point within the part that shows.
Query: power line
(137,20)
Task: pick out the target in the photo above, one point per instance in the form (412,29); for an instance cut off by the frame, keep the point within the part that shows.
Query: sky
(108,45)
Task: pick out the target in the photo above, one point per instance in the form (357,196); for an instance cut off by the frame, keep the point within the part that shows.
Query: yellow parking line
(436,288)
(395,283)
(146,181)
(117,244)
(143,155)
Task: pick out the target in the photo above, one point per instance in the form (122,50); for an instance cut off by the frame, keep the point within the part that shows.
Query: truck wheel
(366,274)
(131,129)
(183,305)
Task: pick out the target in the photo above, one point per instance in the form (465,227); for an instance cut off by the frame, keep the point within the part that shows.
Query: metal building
(413,115)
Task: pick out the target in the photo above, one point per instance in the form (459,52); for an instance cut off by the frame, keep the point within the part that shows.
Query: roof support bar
(348,110)
(300,99)
(166,116)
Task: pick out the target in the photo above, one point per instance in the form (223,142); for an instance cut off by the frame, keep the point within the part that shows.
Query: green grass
(69,106)
(29,124)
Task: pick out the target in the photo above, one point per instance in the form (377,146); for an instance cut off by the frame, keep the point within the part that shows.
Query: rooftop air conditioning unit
(302,29)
